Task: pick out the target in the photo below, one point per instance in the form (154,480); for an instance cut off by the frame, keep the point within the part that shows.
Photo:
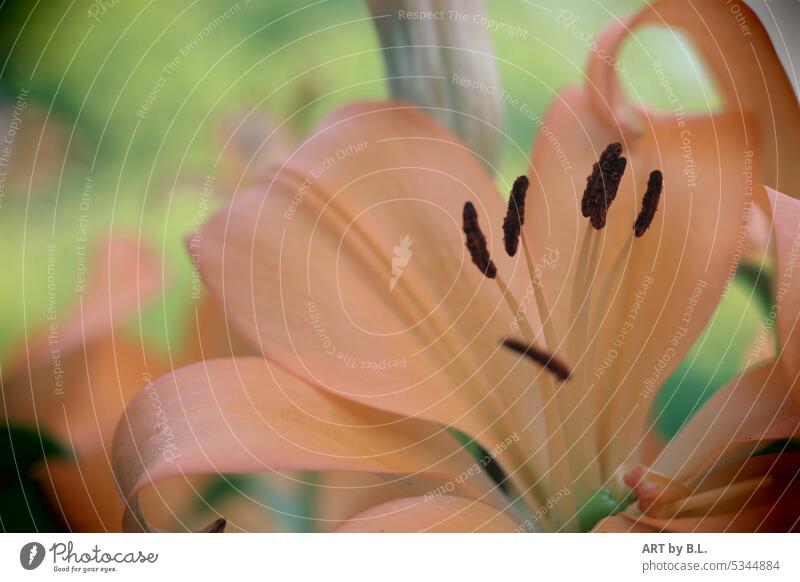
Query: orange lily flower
(368,361)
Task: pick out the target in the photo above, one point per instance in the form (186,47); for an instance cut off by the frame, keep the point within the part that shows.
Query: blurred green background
(138,99)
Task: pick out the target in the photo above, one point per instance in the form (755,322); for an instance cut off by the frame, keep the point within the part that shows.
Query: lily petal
(747,520)
(784,213)
(750,412)
(771,506)
(246,415)
(438,515)
(756,86)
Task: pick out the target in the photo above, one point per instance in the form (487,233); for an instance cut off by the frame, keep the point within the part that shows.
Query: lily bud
(439,56)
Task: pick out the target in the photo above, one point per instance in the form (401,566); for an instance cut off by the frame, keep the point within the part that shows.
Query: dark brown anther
(515,215)
(217,526)
(476,242)
(602,185)
(587,202)
(547,361)
(655,184)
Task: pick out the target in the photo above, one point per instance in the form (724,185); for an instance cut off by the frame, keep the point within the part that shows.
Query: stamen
(512,235)
(588,477)
(513,307)
(609,312)
(612,310)
(602,185)
(582,285)
(652,195)
(547,361)
(515,215)
(538,295)
(478,250)
(476,242)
